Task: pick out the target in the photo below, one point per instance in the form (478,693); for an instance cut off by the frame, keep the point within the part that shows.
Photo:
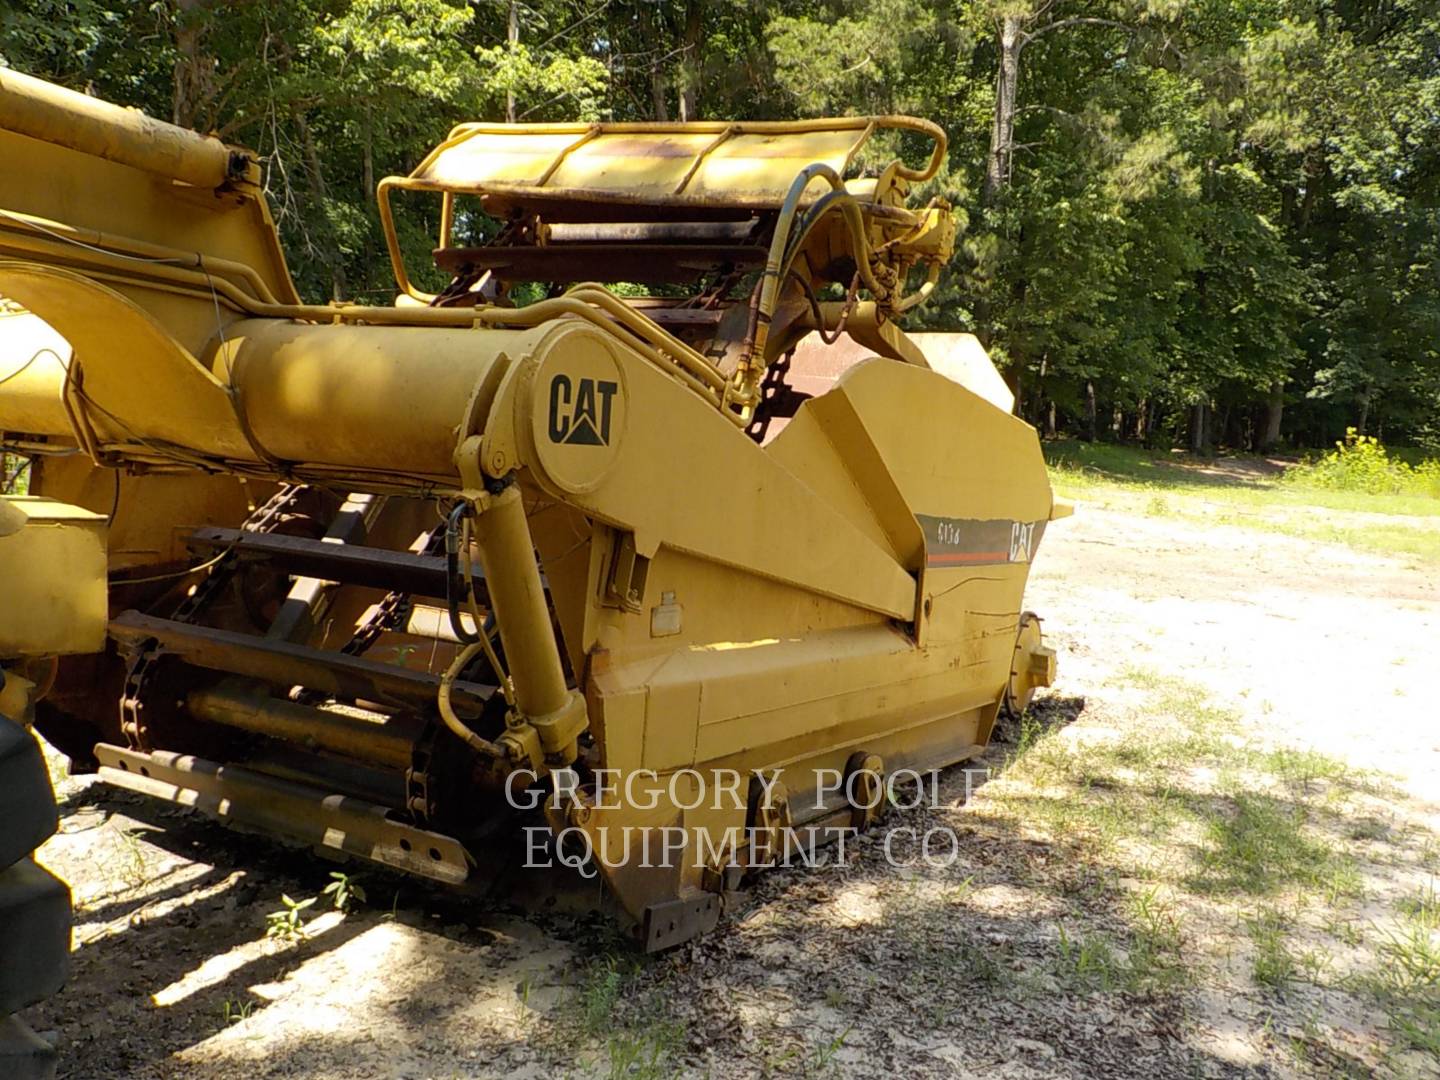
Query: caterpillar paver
(375,578)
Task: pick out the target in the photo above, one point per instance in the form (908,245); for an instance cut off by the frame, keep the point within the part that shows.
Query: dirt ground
(857,969)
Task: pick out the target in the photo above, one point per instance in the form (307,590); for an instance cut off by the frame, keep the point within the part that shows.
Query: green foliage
(344,891)
(1088,961)
(233,1012)
(1360,463)
(1413,953)
(1423,907)
(1407,984)
(1272,965)
(599,997)
(288,924)
(1211,209)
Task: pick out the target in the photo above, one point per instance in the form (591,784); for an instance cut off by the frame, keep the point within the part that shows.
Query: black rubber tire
(34,935)
(27,803)
(23,1054)
(34,904)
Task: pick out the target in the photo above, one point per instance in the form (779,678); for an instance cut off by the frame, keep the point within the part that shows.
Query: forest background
(1193,222)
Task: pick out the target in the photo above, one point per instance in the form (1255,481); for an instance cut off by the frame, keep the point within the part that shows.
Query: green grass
(1273,965)
(1422,908)
(630,1024)
(1406,984)
(599,996)
(1200,841)
(1186,804)
(1162,484)
(1256,829)
(1260,845)
(1088,466)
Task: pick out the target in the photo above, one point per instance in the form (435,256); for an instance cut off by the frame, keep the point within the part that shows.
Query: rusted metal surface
(354,564)
(288,664)
(251,707)
(134,721)
(673,921)
(653,232)
(248,799)
(649,263)
(310,597)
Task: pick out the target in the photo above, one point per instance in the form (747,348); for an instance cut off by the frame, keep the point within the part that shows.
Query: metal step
(352,564)
(245,799)
(287,664)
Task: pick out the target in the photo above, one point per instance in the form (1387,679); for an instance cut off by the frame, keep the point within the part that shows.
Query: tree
(1213,221)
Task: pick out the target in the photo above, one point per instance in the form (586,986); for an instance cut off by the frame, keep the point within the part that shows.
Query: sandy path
(1327,647)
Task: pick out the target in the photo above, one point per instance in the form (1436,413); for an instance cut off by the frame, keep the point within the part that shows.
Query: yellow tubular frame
(660,347)
(864,126)
(124,260)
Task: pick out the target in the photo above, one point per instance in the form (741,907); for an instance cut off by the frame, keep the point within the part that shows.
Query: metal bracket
(625,584)
(672,922)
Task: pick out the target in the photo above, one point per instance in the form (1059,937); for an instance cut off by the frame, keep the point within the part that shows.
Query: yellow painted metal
(112,185)
(133,378)
(723,498)
(853,586)
(517,598)
(962,359)
(1033,665)
(52,576)
(740,166)
(17,698)
(237,705)
(32,371)
(719,162)
(50,113)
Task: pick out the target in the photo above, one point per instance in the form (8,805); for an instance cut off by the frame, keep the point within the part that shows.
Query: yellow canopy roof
(739,164)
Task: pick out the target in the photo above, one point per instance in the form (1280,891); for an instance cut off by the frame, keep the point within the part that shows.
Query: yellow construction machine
(681,559)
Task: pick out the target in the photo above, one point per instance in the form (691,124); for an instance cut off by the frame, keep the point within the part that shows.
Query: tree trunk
(1274,412)
(316,175)
(1091,420)
(658,105)
(1002,127)
(367,161)
(512,38)
(1050,419)
(1199,418)
(193,85)
(1364,420)
(690,63)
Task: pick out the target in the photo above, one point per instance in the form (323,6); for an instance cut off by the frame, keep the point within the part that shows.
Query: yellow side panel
(52,578)
(86,192)
(687,478)
(137,376)
(33,360)
(962,359)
